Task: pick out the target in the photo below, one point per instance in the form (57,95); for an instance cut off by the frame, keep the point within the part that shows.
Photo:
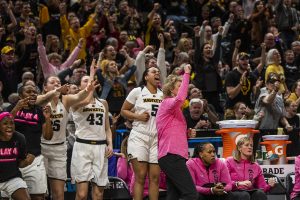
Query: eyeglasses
(273,80)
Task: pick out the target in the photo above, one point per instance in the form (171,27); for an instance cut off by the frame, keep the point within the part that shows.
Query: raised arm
(156,6)
(64,24)
(198,54)
(44,99)
(72,100)
(140,63)
(202,32)
(234,58)
(161,58)
(47,68)
(73,56)
(233,91)
(183,89)
(12,17)
(217,51)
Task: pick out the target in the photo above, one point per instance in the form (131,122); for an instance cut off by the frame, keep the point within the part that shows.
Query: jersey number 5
(55,125)
(95,118)
(154,110)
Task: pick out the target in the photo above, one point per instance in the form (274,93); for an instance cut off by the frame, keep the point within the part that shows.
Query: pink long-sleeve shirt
(296,189)
(171,124)
(125,172)
(48,68)
(215,173)
(246,170)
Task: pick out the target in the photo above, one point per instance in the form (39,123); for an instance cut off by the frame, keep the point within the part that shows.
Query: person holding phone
(209,173)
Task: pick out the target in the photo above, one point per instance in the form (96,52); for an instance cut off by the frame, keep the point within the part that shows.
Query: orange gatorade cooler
(232,131)
(276,145)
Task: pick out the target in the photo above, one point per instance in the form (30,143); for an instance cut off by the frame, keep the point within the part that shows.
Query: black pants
(248,195)
(213,197)
(179,181)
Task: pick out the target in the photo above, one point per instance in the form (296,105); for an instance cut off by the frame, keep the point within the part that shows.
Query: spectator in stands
(247,179)
(29,38)
(293,149)
(24,20)
(206,62)
(73,28)
(291,71)
(143,62)
(25,77)
(53,64)
(295,195)
(11,70)
(241,83)
(216,9)
(172,138)
(133,24)
(113,85)
(6,9)
(210,174)
(240,111)
(74,73)
(14,144)
(295,95)
(296,49)
(271,42)
(273,62)
(271,103)
(240,29)
(199,115)
(110,52)
(287,21)
(153,27)
(260,19)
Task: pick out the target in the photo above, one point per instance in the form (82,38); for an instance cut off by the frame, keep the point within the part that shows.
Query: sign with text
(278,170)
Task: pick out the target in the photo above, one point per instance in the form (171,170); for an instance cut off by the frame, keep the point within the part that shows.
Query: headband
(5,114)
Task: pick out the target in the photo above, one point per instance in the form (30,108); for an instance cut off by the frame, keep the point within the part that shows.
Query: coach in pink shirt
(172,138)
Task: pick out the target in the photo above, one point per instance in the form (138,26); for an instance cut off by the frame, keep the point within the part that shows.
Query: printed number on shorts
(95,118)
(154,110)
(55,125)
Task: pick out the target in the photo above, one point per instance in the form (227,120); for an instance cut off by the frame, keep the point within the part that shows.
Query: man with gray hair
(199,116)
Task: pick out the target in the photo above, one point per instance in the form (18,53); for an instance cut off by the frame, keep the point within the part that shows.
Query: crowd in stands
(77,70)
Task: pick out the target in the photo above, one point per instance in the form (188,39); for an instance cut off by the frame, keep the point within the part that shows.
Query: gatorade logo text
(278,150)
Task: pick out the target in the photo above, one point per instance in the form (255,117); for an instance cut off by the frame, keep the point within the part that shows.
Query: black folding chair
(279,188)
(289,182)
(117,189)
